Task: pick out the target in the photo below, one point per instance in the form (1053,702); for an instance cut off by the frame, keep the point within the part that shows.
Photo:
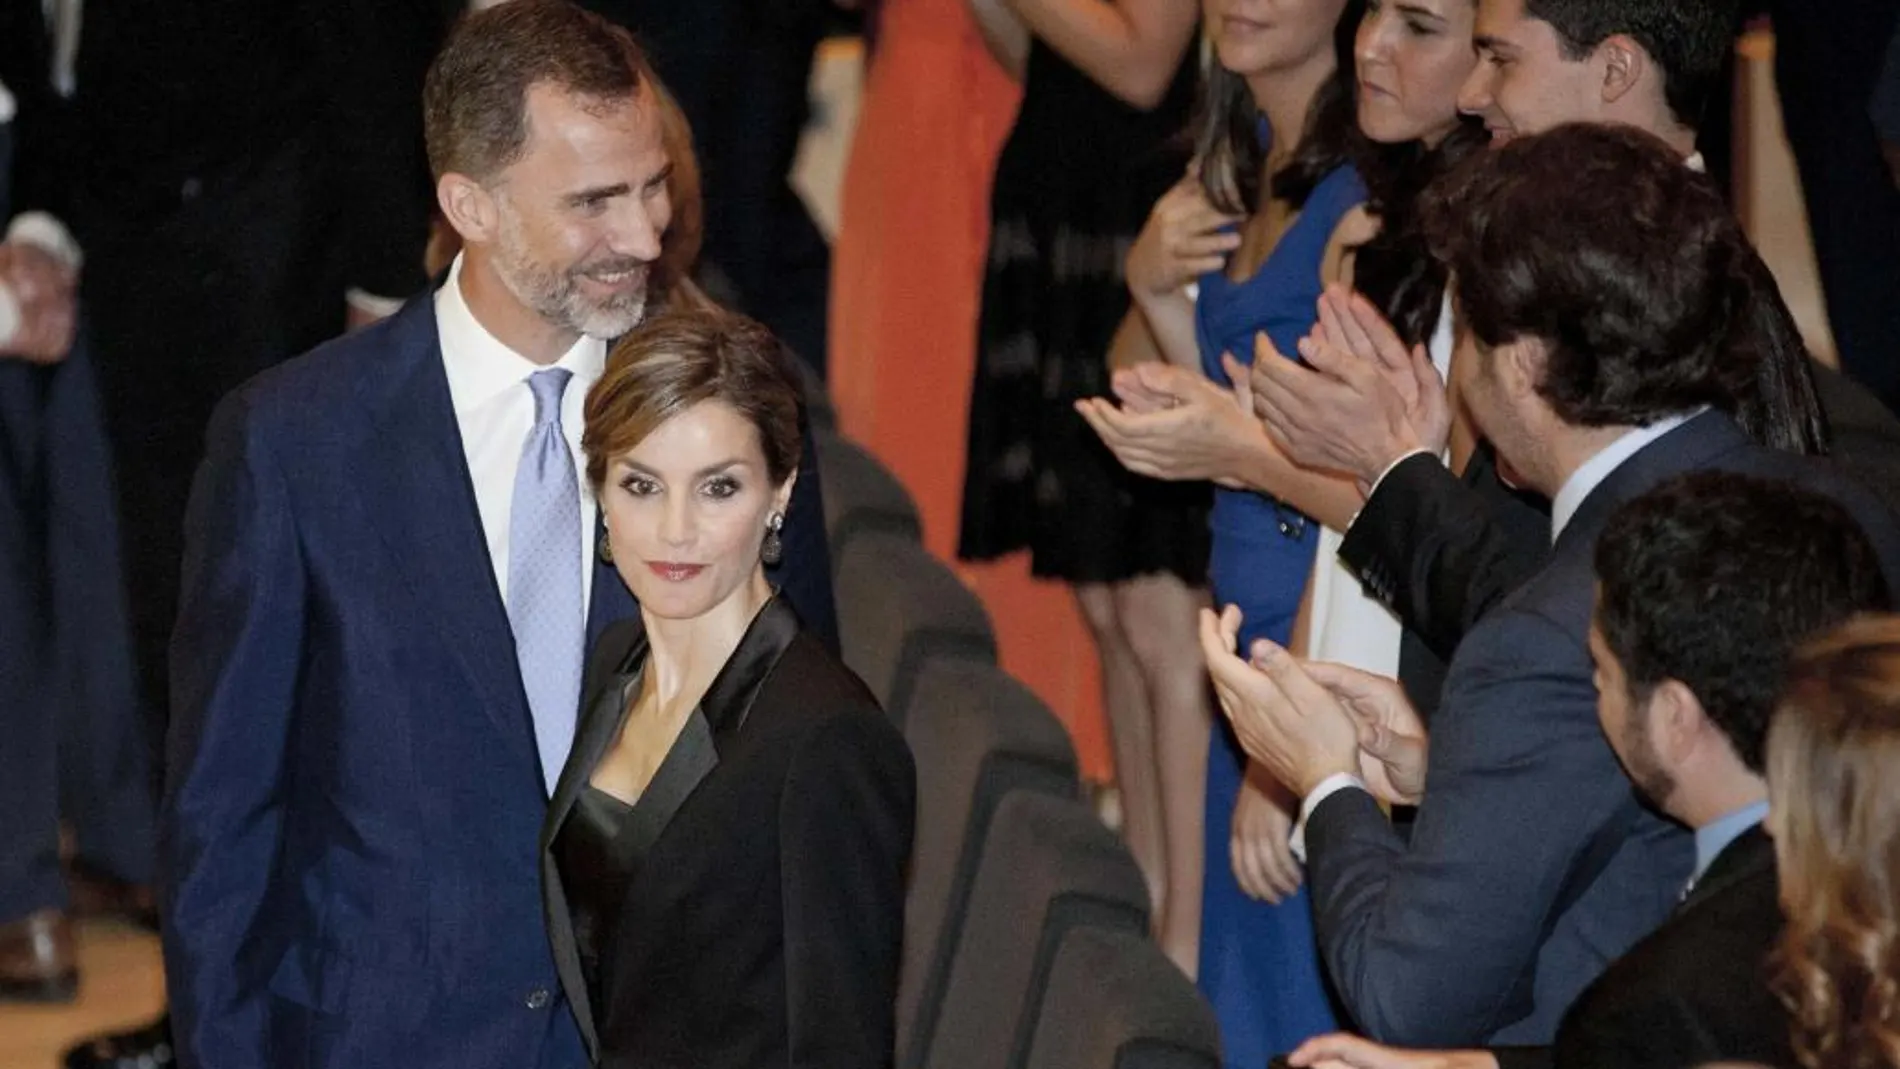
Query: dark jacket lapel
(727,703)
(422,503)
(1749,857)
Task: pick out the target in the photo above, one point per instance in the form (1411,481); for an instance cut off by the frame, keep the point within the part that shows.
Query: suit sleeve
(235,661)
(805,573)
(845,827)
(1439,552)
(1427,942)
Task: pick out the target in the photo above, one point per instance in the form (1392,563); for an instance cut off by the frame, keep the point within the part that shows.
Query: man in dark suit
(68,710)
(1441,553)
(1706,586)
(389,585)
(1531,865)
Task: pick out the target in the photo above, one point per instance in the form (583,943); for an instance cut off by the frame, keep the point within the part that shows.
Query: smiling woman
(723,857)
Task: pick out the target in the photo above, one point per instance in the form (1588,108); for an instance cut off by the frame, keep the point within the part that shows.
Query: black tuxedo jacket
(763,924)
(1696,991)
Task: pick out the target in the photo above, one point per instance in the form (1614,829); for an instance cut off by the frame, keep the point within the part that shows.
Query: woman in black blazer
(723,859)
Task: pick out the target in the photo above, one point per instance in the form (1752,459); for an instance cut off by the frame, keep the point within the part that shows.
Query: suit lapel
(422,504)
(1747,858)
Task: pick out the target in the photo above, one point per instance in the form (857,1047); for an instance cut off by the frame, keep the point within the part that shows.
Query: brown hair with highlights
(686,357)
(1832,755)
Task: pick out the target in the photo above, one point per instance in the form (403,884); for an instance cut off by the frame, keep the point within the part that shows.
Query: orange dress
(907,276)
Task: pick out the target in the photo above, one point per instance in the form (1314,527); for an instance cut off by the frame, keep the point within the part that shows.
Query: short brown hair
(681,358)
(475,100)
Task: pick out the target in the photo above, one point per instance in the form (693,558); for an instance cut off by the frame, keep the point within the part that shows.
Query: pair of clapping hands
(1361,400)
(1307,721)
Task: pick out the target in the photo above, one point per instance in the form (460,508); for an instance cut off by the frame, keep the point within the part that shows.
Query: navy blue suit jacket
(1450,940)
(354,799)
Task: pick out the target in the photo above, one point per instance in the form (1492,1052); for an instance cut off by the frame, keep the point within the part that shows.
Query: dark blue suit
(351,821)
(1462,937)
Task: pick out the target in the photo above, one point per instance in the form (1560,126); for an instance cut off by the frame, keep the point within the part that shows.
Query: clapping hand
(1342,1051)
(1175,424)
(1392,742)
(1283,718)
(1361,401)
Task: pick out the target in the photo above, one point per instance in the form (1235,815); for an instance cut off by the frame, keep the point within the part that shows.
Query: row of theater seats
(1026,925)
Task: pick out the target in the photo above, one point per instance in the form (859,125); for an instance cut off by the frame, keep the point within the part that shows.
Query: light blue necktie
(544,576)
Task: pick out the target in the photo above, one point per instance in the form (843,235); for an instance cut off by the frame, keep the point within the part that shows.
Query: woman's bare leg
(1158,616)
(1131,733)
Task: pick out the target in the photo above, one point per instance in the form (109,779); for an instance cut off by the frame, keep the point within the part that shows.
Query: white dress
(1348,627)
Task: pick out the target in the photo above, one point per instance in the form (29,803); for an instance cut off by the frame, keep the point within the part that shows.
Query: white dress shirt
(494,409)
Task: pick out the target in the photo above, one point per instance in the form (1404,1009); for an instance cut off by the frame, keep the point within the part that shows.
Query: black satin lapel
(600,724)
(422,504)
(692,759)
(728,700)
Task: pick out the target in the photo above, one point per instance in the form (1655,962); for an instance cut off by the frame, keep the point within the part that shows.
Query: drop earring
(773,550)
(604,549)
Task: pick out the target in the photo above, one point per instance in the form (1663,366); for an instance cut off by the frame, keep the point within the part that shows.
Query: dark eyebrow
(664,176)
(1484,42)
(710,469)
(598,193)
(1421,12)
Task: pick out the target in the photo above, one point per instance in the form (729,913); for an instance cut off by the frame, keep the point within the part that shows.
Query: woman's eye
(722,487)
(639,486)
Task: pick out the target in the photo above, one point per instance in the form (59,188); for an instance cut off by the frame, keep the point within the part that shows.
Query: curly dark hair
(1395,269)
(1831,755)
(1713,579)
(1636,276)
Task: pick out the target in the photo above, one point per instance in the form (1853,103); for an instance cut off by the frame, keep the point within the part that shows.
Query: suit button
(538,999)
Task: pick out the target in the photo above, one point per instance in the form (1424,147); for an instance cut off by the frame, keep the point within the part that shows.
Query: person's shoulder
(333,380)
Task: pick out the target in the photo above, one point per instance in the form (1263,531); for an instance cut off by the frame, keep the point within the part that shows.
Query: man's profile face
(582,212)
(1523,84)
(1625,722)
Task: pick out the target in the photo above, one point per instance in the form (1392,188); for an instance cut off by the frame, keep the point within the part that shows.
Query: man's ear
(1625,64)
(1677,721)
(469,207)
(1521,365)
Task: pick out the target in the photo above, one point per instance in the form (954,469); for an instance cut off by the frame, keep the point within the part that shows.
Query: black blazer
(763,924)
(1696,991)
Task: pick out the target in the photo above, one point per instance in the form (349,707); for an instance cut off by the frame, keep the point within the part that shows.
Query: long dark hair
(1233,154)
(1395,269)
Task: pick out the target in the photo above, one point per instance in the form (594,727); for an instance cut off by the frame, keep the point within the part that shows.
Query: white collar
(1696,163)
(1585,480)
(480,366)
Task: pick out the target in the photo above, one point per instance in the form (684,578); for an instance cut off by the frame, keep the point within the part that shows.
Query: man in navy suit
(389,582)
(1599,293)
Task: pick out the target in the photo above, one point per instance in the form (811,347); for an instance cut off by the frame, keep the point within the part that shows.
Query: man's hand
(45,289)
(1284,719)
(1362,401)
(1261,845)
(1175,424)
(1392,741)
(1341,1051)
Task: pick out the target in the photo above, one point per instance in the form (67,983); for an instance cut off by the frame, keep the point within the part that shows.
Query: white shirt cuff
(10,316)
(1328,787)
(46,232)
(371,304)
